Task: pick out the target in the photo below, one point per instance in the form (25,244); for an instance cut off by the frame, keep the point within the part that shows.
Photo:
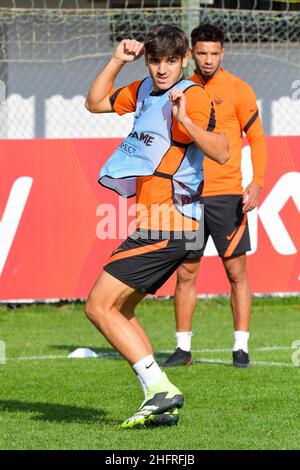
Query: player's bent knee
(89,310)
(93,310)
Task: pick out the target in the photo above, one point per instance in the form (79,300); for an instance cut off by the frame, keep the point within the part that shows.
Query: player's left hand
(251,197)
(177,99)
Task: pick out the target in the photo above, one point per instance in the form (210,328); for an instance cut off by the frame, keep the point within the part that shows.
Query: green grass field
(48,401)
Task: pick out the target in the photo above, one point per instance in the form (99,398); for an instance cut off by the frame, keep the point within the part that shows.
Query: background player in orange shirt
(225,203)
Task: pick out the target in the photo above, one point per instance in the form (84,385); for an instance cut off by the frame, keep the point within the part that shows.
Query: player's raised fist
(129,50)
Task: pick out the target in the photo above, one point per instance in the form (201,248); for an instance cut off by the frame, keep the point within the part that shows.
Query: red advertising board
(58,226)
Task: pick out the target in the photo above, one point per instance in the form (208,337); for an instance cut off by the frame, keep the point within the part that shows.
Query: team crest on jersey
(218,100)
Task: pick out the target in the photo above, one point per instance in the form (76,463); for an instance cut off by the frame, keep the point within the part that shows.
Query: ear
(186,58)
(222,54)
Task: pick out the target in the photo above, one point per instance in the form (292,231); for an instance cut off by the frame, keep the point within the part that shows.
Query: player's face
(165,71)
(208,57)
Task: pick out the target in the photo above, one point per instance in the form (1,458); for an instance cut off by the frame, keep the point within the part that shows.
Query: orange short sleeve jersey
(123,99)
(153,191)
(236,112)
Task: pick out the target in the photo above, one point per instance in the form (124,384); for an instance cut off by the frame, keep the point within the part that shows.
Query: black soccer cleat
(240,359)
(178,358)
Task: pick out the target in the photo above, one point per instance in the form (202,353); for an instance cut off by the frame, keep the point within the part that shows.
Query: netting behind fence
(48,59)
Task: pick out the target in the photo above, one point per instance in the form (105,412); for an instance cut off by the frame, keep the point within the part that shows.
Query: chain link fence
(48,59)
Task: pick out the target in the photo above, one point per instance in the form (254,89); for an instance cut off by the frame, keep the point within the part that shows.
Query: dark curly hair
(207,33)
(166,41)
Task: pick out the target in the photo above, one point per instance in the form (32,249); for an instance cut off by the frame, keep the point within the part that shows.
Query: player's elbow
(91,106)
(103,106)
(223,157)
(223,154)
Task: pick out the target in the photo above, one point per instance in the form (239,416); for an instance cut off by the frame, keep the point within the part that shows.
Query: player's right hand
(177,99)
(129,50)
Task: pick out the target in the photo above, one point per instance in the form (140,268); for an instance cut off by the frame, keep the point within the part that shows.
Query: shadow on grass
(55,412)
(212,362)
(161,357)
(110,353)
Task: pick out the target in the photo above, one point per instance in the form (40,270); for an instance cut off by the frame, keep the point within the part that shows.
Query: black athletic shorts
(145,262)
(225,221)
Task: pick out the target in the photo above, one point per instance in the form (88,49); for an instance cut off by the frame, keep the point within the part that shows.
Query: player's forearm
(97,98)
(213,145)
(258,158)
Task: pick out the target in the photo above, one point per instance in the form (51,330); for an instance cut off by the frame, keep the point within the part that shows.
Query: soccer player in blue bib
(160,162)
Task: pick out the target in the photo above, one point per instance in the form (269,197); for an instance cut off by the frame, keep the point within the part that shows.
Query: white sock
(143,386)
(184,340)
(148,369)
(241,340)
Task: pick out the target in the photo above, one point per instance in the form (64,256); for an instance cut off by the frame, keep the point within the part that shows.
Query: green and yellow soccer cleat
(161,398)
(142,419)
